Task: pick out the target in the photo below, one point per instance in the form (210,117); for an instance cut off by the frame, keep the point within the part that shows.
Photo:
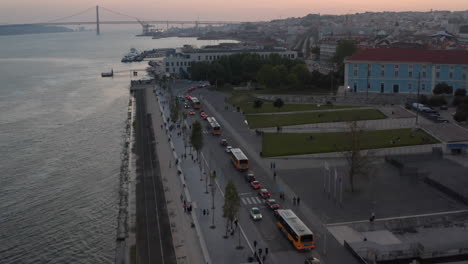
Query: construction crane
(146,27)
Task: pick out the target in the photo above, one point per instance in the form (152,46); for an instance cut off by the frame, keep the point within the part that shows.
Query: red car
(191,89)
(255,185)
(272,204)
(264,193)
(188,97)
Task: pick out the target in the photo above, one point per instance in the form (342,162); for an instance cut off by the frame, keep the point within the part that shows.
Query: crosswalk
(251,200)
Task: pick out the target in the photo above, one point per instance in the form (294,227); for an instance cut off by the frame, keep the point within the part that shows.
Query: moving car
(223,142)
(228,149)
(272,204)
(255,185)
(255,213)
(250,177)
(264,193)
(192,112)
(311,260)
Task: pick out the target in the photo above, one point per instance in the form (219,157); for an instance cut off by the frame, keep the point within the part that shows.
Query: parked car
(192,112)
(255,185)
(441,120)
(264,193)
(272,204)
(255,213)
(228,149)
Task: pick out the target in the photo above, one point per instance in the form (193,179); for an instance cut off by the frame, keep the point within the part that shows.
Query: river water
(61,128)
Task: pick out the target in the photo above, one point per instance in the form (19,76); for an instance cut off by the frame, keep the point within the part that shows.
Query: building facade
(390,70)
(180,63)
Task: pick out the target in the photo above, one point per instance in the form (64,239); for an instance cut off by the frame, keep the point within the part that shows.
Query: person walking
(298,200)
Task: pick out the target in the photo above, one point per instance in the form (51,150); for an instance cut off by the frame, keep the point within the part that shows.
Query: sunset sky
(27,11)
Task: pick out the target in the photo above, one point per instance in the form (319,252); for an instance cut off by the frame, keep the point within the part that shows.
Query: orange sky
(17,11)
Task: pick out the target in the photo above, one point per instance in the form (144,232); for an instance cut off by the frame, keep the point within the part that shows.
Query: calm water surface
(61,128)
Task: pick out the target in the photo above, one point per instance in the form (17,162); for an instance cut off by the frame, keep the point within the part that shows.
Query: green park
(285,144)
(275,120)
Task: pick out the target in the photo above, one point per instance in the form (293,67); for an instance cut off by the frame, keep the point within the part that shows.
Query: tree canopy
(231,203)
(273,71)
(196,138)
(344,49)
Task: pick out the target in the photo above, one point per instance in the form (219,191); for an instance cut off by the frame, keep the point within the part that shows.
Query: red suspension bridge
(134,20)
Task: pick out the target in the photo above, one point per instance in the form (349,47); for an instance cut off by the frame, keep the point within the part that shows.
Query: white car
(228,149)
(255,213)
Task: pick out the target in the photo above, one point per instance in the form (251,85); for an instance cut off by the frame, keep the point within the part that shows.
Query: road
(153,234)
(264,232)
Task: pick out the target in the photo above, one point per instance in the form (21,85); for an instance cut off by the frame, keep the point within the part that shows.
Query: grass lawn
(261,121)
(269,108)
(284,144)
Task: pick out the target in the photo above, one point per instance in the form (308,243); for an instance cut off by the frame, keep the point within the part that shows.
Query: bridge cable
(118,13)
(66,17)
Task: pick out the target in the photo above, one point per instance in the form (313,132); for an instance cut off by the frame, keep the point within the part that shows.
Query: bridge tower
(98,32)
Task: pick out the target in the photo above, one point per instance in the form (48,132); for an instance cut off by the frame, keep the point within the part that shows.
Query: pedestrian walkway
(251,200)
(187,243)
(208,220)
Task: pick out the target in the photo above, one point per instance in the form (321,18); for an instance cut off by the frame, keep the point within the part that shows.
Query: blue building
(389,70)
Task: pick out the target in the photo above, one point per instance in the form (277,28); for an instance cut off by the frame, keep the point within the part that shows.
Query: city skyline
(28,11)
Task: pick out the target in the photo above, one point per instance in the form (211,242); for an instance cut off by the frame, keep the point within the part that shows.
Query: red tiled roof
(411,55)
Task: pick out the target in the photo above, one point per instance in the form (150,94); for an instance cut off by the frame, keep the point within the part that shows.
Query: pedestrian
(266,251)
(298,200)
(294,200)
(255,244)
(260,251)
(274,165)
(232,232)
(274,175)
(236,223)
(185,208)
(204,212)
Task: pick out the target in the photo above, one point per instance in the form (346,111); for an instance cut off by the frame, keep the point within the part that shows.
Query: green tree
(462,113)
(278,103)
(460,92)
(265,75)
(175,109)
(231,204)
(443,88)
(257,104)
(344,49)
(196,138)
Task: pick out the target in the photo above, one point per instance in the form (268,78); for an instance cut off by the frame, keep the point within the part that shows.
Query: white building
(180,63)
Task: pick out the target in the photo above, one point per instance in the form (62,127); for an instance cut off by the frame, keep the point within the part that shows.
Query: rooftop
(411,55)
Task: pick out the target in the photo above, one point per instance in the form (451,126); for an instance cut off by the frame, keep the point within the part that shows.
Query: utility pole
(98,32)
